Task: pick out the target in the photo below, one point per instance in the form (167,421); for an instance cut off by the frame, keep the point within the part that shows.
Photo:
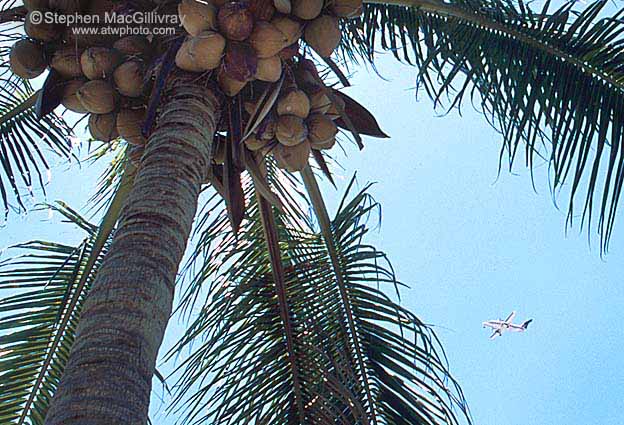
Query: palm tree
(292,327)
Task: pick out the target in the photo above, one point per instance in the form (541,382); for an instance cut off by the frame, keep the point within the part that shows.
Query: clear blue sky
(473,247)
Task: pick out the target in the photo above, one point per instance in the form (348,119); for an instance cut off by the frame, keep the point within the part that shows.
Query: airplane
(501,326)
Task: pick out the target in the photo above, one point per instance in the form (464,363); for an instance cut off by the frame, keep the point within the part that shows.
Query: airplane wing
(510,318)
(496,333)
(494,324)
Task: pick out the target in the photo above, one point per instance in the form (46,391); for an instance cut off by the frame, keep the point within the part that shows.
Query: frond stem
(312,187)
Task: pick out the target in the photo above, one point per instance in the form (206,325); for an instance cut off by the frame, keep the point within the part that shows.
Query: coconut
(294,102)
(103,127)
(307,9)
(291,130)
(27,59)
(229,85)
(128,78)
(323,35)
(321,129)
(267,40)
(240,62)
(97,97)
(70,100)
(283,6)
(255,144)
(325,146)
(319,101)
(262,10)
(334,109)
(269,69)
(31,5)
(130,125)
(133,45)
(347,8)
(97,63)
(201,53)
(293,158)
(197,16)
(235,20)
(307,75)
(289,52)
(266,130)
(69,6)
(291,29)
(66,62)
(41,31)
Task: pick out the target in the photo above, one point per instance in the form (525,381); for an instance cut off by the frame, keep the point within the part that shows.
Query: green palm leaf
(551,80)
(27,141)
(48,286)
(380,366)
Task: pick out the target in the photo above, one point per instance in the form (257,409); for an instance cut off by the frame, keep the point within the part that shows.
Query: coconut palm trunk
(109,373)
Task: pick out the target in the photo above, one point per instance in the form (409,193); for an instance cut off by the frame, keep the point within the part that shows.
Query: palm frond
(237,368)
(26,143)
(552,80)
(47,287)
(45,307)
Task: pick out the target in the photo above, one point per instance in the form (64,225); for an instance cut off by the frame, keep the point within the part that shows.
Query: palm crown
(294,325)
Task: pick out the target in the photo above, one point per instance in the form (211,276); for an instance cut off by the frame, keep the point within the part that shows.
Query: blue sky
(473,246)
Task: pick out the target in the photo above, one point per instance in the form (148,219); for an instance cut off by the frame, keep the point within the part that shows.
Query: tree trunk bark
(109,373)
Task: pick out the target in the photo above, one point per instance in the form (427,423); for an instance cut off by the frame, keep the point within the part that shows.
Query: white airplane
(501,326)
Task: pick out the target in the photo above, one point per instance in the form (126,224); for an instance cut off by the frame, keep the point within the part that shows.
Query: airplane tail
(526,324)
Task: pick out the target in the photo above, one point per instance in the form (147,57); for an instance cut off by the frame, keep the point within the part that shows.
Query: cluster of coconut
(102,78)
(243,45)
(301,120)
(247,42)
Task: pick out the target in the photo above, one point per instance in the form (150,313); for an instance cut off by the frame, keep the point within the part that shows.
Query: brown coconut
(290,130)
(267,129)
(347,8)
(130,125)
(201,53)
(98,97)
(235,20)
(197,16)
(128,78)
(293,158)
(133,45)
(334,111)
(27,59)
(262,10)
(289,52)
(291,29)
(267,40)
(103,127)
(294,102)
(283,6)
(98,63)
(41,31)
(229,85)
(269,69)
(319,100)
(70,99)
(254,143)
(323,35)
(307,9)
(240,61)
(321,129)
(66,62)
